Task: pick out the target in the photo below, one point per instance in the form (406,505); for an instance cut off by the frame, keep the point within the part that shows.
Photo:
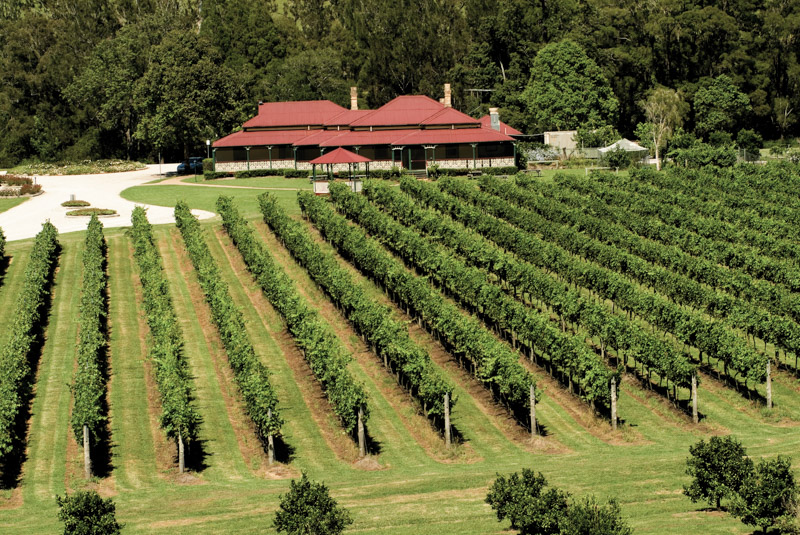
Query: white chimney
(353,98)
(494,116)
(448,97)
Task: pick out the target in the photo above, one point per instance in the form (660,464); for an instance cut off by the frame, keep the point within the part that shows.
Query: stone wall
(230,167)
(478,162)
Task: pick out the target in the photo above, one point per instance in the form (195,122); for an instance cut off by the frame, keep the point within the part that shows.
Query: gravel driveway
(102,191)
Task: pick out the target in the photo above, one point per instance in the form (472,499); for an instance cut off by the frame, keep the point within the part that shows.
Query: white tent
(624,144)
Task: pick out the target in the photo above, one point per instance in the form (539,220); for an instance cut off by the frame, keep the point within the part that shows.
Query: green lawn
(205,198)
(260,182)
(9,203)
(414,492)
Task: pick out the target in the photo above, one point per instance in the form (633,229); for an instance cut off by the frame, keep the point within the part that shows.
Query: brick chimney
(448,96)
(494,117)
(353,98)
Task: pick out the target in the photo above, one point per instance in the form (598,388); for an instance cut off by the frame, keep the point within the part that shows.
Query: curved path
(101,190)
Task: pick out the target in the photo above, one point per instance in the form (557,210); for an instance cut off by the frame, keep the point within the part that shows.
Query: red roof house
(411,132)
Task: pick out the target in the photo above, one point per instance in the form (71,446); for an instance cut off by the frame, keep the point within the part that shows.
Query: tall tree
(243,33)
(719,105)
(587,517)
(718,467)
(105,86)
(525,500)
(85,513)
(567,90)
(185,96)
(767,495)
(310,75)
(664,110)
(308,509)
(406,49)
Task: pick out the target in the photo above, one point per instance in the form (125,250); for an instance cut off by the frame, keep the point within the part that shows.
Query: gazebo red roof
(340,155)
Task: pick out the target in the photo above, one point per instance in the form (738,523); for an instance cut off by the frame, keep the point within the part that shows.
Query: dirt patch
(403,405)
(11,499)
(104,487)
(186,478)
(472,494)
(707,512)
(277,471)
(313,396)
(369,463)
(74,470)
(258,514)
(244,430)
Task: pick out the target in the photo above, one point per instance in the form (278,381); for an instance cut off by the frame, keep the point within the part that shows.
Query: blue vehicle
(193,166)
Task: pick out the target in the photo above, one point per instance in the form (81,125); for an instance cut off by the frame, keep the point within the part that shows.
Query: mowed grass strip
(8,204)
(396,443)
(45,469)
(205,198)
(579,415)
(264,325)
(133,447)
(478,430)
(216,437)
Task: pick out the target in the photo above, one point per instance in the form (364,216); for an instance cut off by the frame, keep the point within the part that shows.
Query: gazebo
(628,146)
(339,156)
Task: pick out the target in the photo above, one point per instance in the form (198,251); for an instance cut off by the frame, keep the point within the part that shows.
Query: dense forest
(129,78)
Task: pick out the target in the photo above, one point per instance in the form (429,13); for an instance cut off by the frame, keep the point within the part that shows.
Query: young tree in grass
(718,467)
(308,509)
(86,513)
(768,496)
(664,110)
(587,517)
(527,503)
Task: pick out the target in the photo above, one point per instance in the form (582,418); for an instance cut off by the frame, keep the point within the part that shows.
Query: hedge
(435,171)
(16,377)
(213,175)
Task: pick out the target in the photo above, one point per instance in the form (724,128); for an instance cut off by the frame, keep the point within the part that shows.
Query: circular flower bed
(92,211)
(75,204)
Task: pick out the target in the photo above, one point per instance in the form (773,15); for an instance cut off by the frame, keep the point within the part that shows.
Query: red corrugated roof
(347,117)
(300,113)
(364,137)
(405,110)
(445,136)
(486,122)
(316,137)
(244,138)
(341,155)
(449,116)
